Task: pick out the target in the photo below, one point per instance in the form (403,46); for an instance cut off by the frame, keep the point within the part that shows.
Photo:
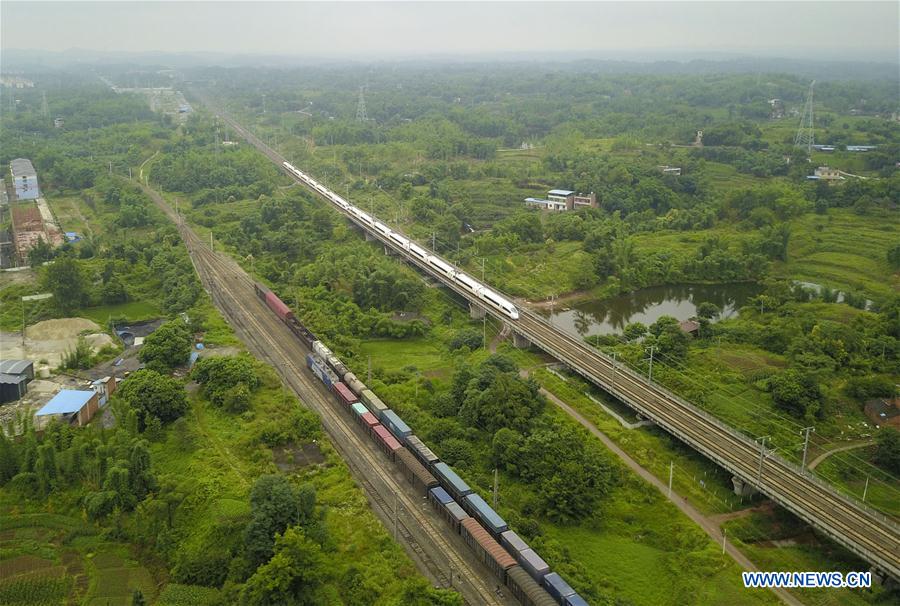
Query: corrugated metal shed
(22,167)
(65,402)
(17,367)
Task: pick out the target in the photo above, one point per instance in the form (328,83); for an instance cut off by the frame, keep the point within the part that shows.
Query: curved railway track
(864,531)
(389,495)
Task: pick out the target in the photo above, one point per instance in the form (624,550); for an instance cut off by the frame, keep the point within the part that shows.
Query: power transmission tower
(361,106)
(804,138)
(44,110)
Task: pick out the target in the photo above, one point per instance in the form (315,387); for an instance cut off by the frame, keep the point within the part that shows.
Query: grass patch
(133,311)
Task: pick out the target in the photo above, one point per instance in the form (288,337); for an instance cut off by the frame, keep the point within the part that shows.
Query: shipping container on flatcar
(368,422)
(438,496)
(359,409)
(449,509)
(449,480)
(534,564)
(318,368)
(347,397)
(526,590)
(484,513)
(575,600)
(486,548)
(557,587)
(372,402)
(425,455)
(386,442)
(513,543)
(277,305)
(395,424)
(454,514)
(415,473)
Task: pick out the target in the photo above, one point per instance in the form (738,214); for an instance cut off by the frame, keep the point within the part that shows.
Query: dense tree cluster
(168,346)
(227,381)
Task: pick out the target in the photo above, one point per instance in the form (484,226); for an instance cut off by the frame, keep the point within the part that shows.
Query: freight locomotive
(517,565)
(425,257)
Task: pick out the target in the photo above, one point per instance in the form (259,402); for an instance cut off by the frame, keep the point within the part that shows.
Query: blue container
(439,495)
(485,514)
(452,482)
(575,600)
(534,564)
(557,587)
(395,424)
(513,543)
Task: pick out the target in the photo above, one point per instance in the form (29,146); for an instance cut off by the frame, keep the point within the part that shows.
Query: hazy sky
(852,30)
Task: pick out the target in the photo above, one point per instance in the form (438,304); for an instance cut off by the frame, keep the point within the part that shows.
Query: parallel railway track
(430,544)
(866,532)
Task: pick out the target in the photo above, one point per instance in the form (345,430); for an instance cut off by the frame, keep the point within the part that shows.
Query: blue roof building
(72,405)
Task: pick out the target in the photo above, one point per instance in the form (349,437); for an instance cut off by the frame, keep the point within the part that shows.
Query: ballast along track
(269,339)
(865,532)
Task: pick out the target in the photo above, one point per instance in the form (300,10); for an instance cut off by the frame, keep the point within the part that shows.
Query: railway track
(864,531)
(415,526)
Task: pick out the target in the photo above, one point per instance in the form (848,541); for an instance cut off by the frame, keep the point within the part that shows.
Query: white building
(24,179)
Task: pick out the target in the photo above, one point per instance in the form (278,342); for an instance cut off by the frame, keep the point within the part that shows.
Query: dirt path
(709,524)
(825,455)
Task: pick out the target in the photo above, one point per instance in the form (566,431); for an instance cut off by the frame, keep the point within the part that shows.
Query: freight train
(425,257)
(517,565)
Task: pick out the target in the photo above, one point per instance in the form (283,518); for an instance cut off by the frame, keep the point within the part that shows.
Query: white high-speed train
(427,257)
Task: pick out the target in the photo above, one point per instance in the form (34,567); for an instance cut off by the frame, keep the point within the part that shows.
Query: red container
(344,394)
(276,305)
(369,421)
(386,441)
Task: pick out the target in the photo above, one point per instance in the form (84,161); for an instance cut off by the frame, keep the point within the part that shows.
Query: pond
(610,316)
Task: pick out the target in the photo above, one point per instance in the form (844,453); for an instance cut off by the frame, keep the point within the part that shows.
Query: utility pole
(211,245)
(396,514)
(432,241)
(482,267)
(866,489)
(724,534)
(650,372)
(762,456)
(496,487)
(614,366)
(484,330)
(806,430)
(671,473)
